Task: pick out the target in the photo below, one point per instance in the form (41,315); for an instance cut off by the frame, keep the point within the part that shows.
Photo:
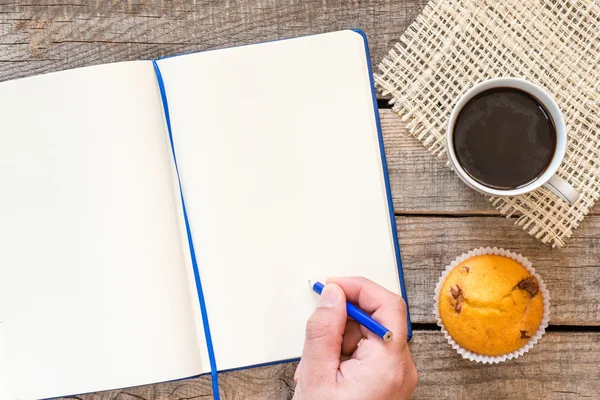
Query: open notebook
(105,281)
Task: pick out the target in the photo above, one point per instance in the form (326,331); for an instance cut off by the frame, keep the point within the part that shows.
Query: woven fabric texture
(456,44)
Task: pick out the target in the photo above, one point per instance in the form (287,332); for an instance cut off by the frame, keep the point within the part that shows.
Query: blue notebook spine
(387,182)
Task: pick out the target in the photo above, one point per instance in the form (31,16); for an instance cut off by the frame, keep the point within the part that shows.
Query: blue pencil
(359,316)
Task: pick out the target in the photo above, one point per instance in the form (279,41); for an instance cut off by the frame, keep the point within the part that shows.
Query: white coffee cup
(549,179)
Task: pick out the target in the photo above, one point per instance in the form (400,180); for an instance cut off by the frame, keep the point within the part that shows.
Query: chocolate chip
(455,292)
(524,335)
(458,295)
(529,285)
(466,269)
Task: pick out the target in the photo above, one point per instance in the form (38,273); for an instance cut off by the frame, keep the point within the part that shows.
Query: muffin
(490,304)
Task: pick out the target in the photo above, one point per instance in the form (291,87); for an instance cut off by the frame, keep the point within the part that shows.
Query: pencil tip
(311,283)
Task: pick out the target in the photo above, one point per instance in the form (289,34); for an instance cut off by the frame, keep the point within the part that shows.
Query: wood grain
(423,184)
(439,217)
(563,365)
(572,274)
(42,37)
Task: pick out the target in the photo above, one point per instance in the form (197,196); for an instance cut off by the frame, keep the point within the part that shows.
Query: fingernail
(329,296)
(297,373)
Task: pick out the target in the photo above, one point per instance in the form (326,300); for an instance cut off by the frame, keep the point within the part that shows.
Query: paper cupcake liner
(534,338)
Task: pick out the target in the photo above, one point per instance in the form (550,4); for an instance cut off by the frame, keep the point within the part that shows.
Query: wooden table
(438,217)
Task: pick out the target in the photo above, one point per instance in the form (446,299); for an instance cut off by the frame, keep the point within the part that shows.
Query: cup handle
(562,189)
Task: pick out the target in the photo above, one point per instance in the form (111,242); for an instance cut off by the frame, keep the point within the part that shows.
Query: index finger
(385,307)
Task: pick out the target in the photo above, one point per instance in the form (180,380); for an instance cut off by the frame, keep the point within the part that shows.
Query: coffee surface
(504,138)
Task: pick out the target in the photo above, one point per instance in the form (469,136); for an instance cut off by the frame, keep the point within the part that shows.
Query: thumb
(324,335)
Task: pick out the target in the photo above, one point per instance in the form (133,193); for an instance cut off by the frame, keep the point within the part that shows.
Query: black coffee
(504,138)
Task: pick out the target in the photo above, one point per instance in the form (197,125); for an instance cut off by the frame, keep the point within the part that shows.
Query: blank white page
(281,171)
(94,289)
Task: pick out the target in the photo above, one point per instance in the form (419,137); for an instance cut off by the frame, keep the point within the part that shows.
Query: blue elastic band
(209,344)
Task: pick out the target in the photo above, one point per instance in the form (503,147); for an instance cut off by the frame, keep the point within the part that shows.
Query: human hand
(344,360)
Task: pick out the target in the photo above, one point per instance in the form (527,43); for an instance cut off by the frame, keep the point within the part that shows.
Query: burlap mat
(455,44)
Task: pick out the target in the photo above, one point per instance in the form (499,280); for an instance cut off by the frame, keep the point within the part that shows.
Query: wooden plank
(43,38)
(572,274)
(38,37)
(423,184)
(563,365)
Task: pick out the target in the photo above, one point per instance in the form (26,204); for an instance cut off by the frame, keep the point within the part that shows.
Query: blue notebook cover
(205,318)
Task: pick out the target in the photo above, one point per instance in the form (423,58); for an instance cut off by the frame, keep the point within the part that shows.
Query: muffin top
(491,305)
